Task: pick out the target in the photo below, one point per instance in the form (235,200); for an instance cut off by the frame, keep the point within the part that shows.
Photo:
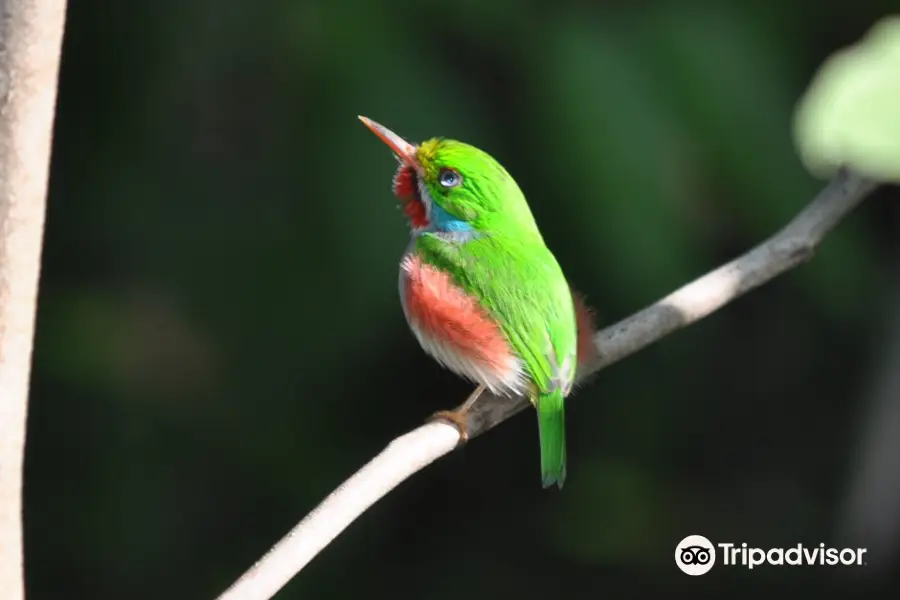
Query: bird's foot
(458,418)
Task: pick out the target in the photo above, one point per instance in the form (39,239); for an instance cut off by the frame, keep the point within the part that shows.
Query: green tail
(552,432)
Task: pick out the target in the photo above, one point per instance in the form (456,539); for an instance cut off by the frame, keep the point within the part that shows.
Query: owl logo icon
(695,555)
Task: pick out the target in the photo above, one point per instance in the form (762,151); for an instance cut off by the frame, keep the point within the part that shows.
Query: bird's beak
(403,149)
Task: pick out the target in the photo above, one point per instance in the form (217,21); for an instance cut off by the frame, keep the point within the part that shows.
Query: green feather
(552,431)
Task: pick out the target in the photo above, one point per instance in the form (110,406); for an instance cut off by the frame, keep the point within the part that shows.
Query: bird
(480,290)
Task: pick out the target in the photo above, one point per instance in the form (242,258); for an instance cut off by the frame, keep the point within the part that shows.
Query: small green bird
(481,291)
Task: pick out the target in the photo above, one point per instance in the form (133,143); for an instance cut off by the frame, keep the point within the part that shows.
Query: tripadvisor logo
(696,555)
(793,556)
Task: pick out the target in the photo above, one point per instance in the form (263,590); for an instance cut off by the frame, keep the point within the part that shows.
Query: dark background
(220,342)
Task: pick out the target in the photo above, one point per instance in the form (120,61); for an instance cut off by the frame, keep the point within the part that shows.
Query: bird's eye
(449,178)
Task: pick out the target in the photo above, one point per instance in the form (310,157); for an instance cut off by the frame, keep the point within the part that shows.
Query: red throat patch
(406,189)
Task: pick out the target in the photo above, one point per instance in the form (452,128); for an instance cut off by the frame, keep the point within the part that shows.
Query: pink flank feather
(440,310)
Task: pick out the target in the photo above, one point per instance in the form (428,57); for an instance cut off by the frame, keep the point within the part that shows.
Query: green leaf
(850,114)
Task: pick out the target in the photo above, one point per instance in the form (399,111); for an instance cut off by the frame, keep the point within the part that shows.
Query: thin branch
(30,42)
(402,458)
(791,246)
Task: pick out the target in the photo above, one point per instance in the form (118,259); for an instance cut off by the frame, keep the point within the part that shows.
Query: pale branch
(402,458)
(30,43)
(793,245)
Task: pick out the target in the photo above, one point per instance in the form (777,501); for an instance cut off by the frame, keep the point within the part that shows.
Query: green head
(449,186)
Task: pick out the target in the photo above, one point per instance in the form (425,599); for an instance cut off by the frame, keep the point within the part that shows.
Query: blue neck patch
(441,220)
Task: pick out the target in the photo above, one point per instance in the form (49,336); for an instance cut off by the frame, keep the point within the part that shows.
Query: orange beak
(403,149)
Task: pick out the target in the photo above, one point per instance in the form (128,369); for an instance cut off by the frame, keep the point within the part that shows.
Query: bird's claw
(457,419)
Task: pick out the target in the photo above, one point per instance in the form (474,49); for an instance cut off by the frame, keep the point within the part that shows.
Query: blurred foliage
(850,115)
(220,341)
